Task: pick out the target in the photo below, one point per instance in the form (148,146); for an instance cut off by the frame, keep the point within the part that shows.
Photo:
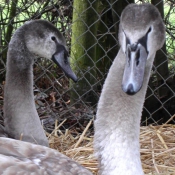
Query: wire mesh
(92,51)
(56,97)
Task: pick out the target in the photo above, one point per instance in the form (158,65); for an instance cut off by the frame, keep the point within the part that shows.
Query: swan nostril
(137,57)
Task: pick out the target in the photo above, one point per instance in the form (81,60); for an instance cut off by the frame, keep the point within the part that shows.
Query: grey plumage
(21,119)
(33,38)
(18,157)
(117,125)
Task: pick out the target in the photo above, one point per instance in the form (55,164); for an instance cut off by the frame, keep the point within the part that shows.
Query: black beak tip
(72,76)
(129,90)
(65,68)
(75,80)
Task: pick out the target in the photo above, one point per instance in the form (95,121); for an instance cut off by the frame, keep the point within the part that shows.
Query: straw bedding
(157,145)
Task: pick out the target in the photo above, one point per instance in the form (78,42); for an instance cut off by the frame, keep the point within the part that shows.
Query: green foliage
(169,12)
(15,13)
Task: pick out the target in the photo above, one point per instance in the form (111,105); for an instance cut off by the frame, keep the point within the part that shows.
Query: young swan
(39,38)
(117,125)
(18,157)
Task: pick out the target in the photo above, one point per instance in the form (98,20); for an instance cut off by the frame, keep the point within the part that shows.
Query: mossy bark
(83,50)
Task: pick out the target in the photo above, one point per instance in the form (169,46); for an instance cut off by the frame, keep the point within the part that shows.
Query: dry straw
(157,145)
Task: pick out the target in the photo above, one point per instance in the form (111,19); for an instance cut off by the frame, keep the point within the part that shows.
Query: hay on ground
(157,145)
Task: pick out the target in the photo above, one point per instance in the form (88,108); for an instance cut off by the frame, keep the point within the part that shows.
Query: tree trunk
(153,111)
(161,62)
(117,8)
(108,45)
(83,50)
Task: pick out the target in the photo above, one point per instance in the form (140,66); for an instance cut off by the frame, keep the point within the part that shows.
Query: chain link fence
(56,97)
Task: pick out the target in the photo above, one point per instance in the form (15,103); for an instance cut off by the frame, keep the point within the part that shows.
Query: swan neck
(117,125)
(21,118)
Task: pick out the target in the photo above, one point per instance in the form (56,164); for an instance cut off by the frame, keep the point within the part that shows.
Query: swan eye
(53,38)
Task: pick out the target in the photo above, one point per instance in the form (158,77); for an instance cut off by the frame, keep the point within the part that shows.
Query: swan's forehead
(39,38)
(42,30)
(137,19)
(139,16)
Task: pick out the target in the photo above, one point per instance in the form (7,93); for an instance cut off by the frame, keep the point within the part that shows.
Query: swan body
(19,157)
(39,38)
(117,124)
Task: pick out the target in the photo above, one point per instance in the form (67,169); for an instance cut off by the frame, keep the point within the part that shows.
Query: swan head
(43,39)
(141,34)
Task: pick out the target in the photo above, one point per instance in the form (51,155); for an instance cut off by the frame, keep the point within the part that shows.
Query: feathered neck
(117,125)
(21,118)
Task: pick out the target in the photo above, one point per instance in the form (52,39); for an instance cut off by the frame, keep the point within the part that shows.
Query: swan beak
(136,57)
(60,58)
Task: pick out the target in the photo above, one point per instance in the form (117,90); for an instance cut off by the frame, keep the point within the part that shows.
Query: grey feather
(117,125)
